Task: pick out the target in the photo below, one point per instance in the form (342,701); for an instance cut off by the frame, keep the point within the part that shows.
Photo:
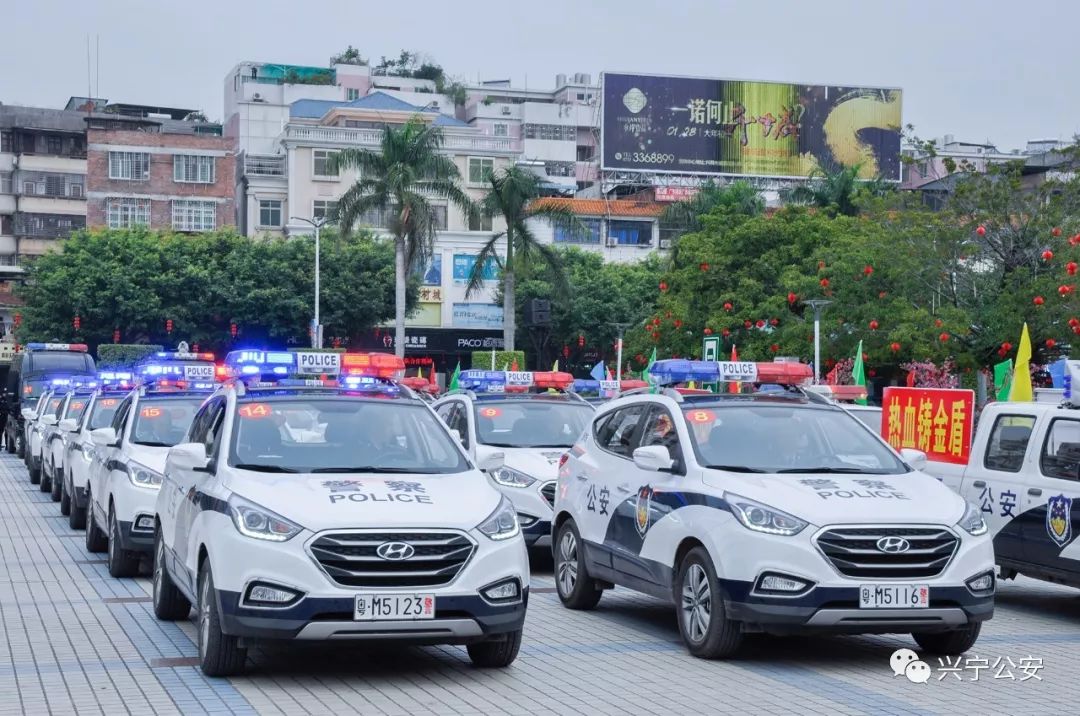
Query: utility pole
(818,304)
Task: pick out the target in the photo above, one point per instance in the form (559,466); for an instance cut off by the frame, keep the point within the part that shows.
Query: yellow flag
(555,368)
(1021,382)
(691,385)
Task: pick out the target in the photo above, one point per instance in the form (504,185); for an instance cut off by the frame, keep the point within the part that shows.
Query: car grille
(350,558)
(853,551)
(547,491)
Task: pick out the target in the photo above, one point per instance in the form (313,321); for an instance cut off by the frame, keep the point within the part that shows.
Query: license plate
(894,596)
(383,607)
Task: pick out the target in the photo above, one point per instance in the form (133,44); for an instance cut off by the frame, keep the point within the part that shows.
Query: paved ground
(77,641)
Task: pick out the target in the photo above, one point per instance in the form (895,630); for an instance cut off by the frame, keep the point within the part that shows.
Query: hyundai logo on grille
(893,545)
(397,551)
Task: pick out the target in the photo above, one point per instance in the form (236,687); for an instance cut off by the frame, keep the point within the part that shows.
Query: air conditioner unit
(665,243)
(506,111)
(612,242)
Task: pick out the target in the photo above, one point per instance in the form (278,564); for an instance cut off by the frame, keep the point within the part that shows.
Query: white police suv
(333,509)
(42,417)
(775,511)
(532,420)
(129,455)
(79,446)
(56,435)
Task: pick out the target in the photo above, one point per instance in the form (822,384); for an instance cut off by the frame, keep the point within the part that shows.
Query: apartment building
(152,167)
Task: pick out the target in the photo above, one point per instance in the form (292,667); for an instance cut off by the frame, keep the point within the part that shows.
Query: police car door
(1052,498)
(103,457)
(995,482)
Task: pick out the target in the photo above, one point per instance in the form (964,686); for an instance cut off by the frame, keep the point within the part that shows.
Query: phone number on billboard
(645,158)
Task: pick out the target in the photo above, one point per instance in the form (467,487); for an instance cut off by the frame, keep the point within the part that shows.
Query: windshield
(32,391)
(59,362)
(786,439)
(52,406)
(163,422)
(75,407)
(871,417)
(530,423)
(341,434)
(101,415)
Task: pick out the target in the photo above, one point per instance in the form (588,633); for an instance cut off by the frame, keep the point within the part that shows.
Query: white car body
(79,450)
(56,437)
(47,407)
(637,522)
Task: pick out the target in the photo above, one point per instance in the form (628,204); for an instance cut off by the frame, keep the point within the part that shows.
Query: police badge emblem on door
(1059,519)
(641,511)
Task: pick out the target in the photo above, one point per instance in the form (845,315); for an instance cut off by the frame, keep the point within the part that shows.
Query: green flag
(1003,379)
(858,373)
(645,374)
(454,377)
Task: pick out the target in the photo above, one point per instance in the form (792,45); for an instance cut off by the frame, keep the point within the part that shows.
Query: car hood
(541,463)
(149,456)
(351,501)
(826,499)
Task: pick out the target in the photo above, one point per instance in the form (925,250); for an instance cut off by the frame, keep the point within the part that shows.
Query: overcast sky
(977,69)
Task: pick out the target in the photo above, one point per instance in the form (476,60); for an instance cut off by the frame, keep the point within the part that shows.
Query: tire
(65,496)
(122,563)
(44,481)
(56,486)
(9,444)
(496,654)
(35,472)
(699,604)
(96,541)
(576,588)
(219,654)
(20,447)
(169,602)
(949,643)
(77,516)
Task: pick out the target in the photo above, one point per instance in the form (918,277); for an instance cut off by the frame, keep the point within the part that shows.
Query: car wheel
(219,653)
(35,471)
(56,485)
(703,623)
(77,516)
(9,444)
(20,447)
(65,497)
(496,654)
(949,643)
(576,588)
(122,563)
(95,538)
(44,481)
(169,602)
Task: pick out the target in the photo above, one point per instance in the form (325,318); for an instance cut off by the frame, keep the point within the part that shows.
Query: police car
(600,391)
(848,397)
(129,455)
(37,420)
(79,446)
(774,511)
(56,434)
(532,420)
(30,375)
(325,510)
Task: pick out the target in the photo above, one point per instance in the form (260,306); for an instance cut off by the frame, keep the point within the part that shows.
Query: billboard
(938,421)
(705,126)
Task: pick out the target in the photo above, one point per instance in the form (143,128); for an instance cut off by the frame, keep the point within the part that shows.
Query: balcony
(47,226)
(373,138)
(49,184)
(263,165)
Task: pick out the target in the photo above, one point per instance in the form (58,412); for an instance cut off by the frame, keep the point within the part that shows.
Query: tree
(348,56)
(838,191)
(399,181)
(512,195)
(738,197)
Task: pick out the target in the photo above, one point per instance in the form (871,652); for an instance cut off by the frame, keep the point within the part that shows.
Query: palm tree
(399,181)
(838,190)
(512,195)
(739,197)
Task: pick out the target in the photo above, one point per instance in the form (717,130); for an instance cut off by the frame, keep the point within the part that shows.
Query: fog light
(526,520)
(144,523)
(268,595)
(781,583)
(502,591)
(981,583)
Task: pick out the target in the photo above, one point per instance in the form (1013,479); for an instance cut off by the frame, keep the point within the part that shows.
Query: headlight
(502,523)
(762,518)
(972,522)
(260,523)
(142,476)
(509,477)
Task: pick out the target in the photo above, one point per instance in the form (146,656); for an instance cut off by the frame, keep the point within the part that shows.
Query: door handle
(979,484)
(624,488)
(582,478)
(1034,491)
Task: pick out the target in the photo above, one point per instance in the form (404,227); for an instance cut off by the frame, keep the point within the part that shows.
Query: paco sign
(937,421)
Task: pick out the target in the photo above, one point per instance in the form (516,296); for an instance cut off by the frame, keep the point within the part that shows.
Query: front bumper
(135,541)
(529,502)
(131,504)
(538,533)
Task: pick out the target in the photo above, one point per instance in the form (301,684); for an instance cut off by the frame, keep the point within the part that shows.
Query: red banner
(937,421)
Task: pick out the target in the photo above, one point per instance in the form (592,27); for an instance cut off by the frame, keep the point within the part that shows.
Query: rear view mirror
(188,456)
(68,425)
(48,420)
(915,458)
(103,437)
(28,414)
(655,458)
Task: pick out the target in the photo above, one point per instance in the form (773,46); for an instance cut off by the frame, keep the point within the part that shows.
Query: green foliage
(123,355)
(736,198)
(504,360)
(839,191)
(348,56)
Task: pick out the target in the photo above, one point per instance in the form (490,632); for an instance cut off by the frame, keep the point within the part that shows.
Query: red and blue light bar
(76,347)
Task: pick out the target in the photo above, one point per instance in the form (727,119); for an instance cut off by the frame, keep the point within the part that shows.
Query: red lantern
(1074,240)
(1047,255)
(760,323)
(663,286)
(703,266)
(1070,268)
(747,323)
(656,321)
(868,270)
(168,325)
(1038,300)
(872,373)
(938,323)
(1002,352)
(981,231)
(873,325)
(727,306)
(581,341)
(116,335)
(233,329)
(944,338)
(824,283)
(639,358)
(678,323)
(77,322)
(1050,343)
(18,320)
(566,351)
(774,347)
(883,294)
(725,333)
(1006,346)
(1064,290)
(775,322)
(1056,231)
(708,331)
(792,298)
(1074,321)
(895,347)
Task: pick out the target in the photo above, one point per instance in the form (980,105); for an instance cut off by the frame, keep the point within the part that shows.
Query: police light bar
(552,379)
(632,384)
(180,355)
(483,381)
(840,393)
(415,382)
(378,365)
(681,370)
(77,347)
(247,363)
(584,385)
(784,373)
(1071,384)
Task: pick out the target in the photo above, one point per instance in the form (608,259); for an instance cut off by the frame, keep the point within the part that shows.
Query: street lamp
(621,328)
(818,304)
(318,222)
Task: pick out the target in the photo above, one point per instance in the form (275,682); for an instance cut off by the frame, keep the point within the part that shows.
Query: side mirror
(103,437)
(457,435)
(654,458)
(188,456)
(915,458)
(492,461)
(68,425)
(48,420)
(28,414)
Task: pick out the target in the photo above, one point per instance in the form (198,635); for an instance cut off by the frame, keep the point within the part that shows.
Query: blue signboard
(463,267)
(477,315)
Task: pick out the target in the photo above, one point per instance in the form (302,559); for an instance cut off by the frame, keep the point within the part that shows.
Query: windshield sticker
(76,405)
(151,412)
(490,412)
(827,488)
(701,416)
(361,491)
(254,411)
(107,402)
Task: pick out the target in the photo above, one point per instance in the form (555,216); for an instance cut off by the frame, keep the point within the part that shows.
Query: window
(5,182)
(660,430)
(556,132)
(321,164)
(75,191)
(1008,442)
(454,415)
(324,210)
(1061,454)
(502,129)
(55,186)
(479,223)
(585,154)
(351,94)
(479,169)
(29,188)
(617,432)
(270,212)
(54,145)
(193,168)
(630,233)
(193,215)
(589,233)
(129,166)
(125,213)
(5,142)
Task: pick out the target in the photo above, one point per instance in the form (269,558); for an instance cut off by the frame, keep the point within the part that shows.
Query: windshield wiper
(502,445)
(262,467)
(559,445)
(154,443)
(836,470)
(371,468)
(736,468)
